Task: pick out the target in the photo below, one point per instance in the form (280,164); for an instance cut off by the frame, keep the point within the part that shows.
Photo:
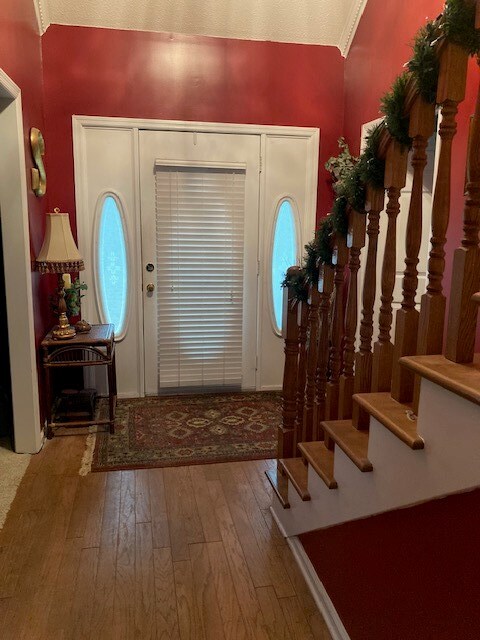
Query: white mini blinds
(200,267)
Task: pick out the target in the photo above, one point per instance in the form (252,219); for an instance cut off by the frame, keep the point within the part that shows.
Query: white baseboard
(318,591)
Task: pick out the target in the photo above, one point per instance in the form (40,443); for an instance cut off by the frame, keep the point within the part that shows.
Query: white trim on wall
(28,436)
(43,15)
(351,26)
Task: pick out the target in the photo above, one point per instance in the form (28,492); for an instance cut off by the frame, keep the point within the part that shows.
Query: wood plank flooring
(183,553)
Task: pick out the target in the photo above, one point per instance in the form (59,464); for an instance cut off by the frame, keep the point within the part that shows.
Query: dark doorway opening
(6,409)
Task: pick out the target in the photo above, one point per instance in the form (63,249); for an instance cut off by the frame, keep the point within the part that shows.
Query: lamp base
(64,331)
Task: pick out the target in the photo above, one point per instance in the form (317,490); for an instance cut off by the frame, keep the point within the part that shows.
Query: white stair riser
(401,476)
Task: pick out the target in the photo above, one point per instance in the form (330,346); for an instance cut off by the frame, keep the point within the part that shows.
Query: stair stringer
(401,477)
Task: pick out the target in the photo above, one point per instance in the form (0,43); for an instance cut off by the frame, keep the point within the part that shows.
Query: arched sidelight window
(284,255)
(112,265)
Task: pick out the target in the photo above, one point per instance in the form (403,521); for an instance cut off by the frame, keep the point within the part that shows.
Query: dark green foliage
(393,106)
(424,64)
(297,282)
(371,168)
(459,25)
(310,262)
(323,240)
(339,216)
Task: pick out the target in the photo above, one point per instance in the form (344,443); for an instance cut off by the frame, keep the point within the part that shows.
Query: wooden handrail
(325,288)
(395,178)
(340,256)
(312,356)
(286,432)
(355,242)
(463,312)
(422,123)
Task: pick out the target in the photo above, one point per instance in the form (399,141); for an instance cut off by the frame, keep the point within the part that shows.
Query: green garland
(393,107)
(424,65)
(339,216)
(459,25)
(323,240)
(310,262)
(371,168)
(298,284)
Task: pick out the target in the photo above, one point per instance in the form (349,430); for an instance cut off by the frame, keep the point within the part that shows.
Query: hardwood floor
(183,553)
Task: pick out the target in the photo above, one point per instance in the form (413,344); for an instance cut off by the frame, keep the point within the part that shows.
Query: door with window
(199,212)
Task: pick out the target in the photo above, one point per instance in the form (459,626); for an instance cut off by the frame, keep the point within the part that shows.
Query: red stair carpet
(411,574)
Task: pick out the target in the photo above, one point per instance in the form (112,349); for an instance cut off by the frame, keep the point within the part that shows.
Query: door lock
(150,287)
(150,267)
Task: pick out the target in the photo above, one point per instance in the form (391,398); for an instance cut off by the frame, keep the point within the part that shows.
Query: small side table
(97,347)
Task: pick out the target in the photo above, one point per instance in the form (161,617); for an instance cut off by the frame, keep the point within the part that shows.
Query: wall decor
(39,176)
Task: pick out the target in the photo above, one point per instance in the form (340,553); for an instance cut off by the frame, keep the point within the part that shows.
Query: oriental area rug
(185,430)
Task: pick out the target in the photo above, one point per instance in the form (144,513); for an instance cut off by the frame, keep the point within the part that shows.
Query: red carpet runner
(412,574)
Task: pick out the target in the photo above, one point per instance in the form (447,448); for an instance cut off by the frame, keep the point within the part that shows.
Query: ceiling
(327,22)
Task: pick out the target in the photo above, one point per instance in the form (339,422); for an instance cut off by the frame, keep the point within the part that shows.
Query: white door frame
(28,435)
(81,123)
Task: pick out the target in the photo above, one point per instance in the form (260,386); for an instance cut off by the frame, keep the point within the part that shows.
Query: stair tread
(297,472)
(321,459)
(352,441)
(395,416)
(462,379)
(280,486)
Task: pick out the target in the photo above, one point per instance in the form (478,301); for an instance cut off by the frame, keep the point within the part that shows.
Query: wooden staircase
(383,426)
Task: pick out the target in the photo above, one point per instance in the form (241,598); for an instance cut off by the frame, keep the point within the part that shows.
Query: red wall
(106,72)
(376,57)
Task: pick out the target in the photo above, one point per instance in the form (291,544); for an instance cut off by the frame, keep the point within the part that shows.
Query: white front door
(199,228)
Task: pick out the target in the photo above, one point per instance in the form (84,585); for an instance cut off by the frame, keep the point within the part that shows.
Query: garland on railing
(352,175)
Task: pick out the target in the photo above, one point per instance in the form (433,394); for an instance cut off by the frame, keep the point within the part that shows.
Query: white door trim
(81,123)
(28,435)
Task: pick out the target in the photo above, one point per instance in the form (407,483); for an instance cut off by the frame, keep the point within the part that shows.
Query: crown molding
(351,24)
(43,15)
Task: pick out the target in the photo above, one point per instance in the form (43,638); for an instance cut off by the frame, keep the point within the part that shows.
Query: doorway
(195,210)
(27,434)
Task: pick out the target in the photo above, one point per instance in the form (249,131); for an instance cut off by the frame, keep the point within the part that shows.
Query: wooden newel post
(422,124)
(395,178)
(451,91)
(325,288)
(303,314)
(339,260)
(355,242)
(286,433)
(375,202)
(312,354)
(463,312)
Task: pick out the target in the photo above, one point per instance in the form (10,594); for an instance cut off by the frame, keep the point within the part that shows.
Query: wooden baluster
(286,432)
(312,354)
(339,259)
(375,202)
(325,288)
(395,178)
(303,313)
(451,91)
(462,317)
(422,124)
(355,242)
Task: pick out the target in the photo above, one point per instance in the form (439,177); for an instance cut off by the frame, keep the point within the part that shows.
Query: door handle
(150,287)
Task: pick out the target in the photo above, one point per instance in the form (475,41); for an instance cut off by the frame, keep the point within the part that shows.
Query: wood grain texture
(422,121)
(355,242)
(286,433)
(352,441)
(325,287)
(463,312)
(312,358)
(99,574)
(297,473)
(321,459)
(304,314)
(395,178)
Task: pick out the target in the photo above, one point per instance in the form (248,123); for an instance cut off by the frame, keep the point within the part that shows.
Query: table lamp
(59,254)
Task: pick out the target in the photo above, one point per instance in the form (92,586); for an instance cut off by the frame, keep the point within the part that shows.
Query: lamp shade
(59,253)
